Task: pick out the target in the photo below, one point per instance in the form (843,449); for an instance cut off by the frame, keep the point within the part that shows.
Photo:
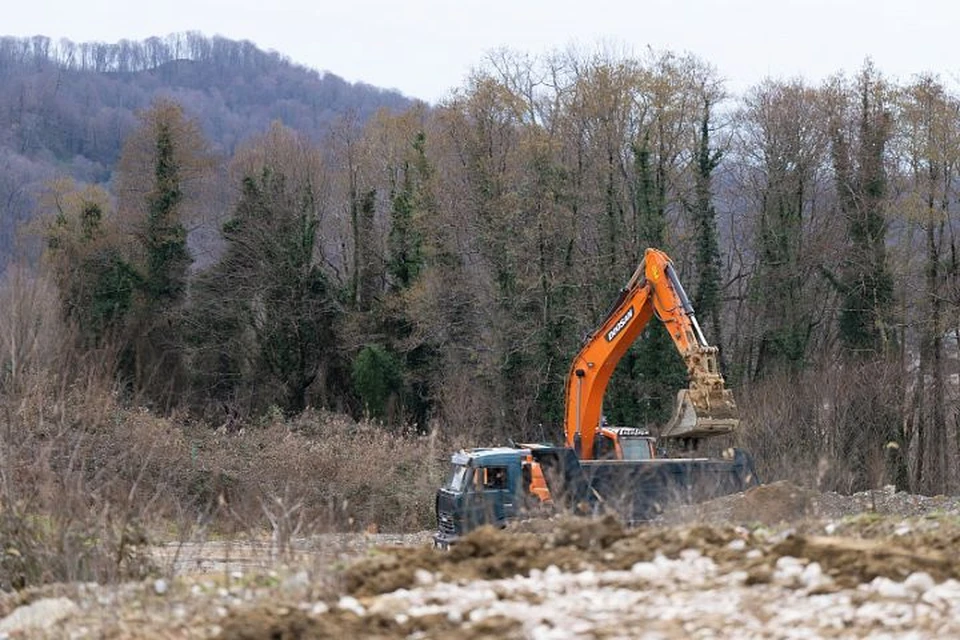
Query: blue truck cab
(484,486)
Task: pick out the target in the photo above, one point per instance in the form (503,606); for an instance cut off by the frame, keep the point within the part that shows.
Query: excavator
(703,410)
(613,467)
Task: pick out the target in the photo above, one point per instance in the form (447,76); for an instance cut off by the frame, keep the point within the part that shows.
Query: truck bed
(640,489)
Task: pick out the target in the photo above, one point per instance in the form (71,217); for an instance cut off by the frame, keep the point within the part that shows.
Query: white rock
(887,588)
(788,569)
(38,615)
(690,554)
(587,578)
(737,545)
(645,571)
(160,586)
(319,608)
(661,560)
(390,605)
(812,576)
(943,595)
(737,577)
(919,582)
(349,603)
(423,577)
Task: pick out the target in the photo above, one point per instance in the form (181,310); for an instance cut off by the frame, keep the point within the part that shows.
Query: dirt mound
(870,546)
(572,544)
(782,502)
(282,623)
(767,504)
(773,503)
(854,561)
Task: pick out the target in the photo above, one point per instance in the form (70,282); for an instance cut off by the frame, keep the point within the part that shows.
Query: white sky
(424,48)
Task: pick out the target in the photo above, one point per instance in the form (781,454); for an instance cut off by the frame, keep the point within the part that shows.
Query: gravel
(874,565)
(690,597)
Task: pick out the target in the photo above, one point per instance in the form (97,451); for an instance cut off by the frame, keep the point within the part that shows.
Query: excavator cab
(625,443)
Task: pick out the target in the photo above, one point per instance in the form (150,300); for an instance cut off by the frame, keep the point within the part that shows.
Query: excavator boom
(706,408)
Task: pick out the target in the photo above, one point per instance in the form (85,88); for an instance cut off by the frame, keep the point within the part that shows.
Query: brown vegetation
(86,484)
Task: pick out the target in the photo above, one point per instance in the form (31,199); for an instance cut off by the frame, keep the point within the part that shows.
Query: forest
(66,108)
(433,268)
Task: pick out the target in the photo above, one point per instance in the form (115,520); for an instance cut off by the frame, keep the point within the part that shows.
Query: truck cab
(484,486)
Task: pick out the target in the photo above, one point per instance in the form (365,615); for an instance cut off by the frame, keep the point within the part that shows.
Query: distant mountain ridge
(66,107)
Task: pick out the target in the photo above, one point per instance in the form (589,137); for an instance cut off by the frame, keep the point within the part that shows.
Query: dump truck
(493,485)
(612,468)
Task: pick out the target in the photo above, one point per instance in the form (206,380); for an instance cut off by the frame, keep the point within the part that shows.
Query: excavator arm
(705,409)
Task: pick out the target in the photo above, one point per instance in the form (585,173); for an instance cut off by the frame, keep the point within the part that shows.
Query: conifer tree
(707,301)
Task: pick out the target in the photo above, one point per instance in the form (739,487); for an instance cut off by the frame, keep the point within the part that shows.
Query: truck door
(492,501)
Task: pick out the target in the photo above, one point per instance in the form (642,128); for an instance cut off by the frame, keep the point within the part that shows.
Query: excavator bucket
(700,413)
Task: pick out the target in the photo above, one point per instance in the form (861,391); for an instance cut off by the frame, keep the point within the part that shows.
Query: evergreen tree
(405,240)
(377,379)
(644,388)
(161,168)
(265,316)
(165,237)
(268,297)
(96,280)
(865,281)
(707,301)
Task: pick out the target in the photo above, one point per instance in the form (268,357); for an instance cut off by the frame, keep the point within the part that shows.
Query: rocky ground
(775,562)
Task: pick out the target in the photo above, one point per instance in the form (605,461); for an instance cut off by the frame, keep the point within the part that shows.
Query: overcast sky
(426,47)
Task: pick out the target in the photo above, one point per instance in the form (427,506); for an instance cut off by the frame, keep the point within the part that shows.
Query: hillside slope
(66,108)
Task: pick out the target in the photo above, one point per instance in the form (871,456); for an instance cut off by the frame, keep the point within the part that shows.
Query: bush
(84,481)
(834,428)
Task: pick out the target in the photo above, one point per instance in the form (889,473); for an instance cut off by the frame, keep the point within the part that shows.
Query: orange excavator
(705,409)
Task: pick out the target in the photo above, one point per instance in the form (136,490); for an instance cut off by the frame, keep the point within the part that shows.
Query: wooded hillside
(66,108)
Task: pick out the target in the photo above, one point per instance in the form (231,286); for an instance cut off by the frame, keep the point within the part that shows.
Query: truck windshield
(635,448)
(459,477)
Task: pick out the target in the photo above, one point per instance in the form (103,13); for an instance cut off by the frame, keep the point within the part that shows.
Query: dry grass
(83,481)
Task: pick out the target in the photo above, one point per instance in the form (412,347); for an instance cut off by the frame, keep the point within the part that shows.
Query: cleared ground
(775,562)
